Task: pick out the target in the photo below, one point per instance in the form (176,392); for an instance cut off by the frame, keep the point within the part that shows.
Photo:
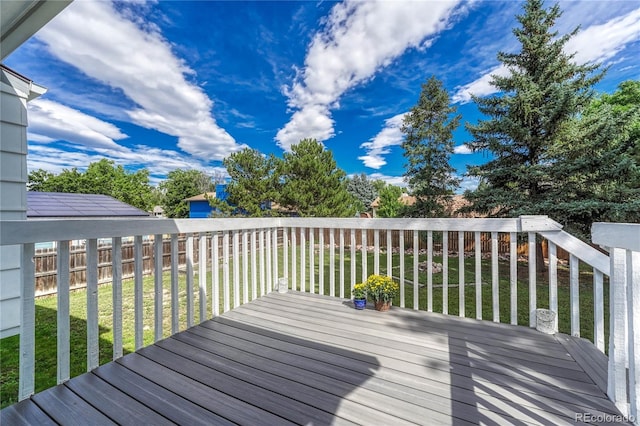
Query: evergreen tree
(598,165)
(428,128)
(253,181)
(312,183)
(362,189)
(537,101)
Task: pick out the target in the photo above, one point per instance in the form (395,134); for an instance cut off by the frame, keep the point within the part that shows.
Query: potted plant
(382,290)
(359,293)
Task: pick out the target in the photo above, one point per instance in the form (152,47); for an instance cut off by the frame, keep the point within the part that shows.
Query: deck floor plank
(224,406)
(176,408)
(343,367)
(588,357)
(272,394)
(482,343)
(25,413)
(358,404)
(299,358)
(115,404)
(65,407)
(575,380)
(429,395)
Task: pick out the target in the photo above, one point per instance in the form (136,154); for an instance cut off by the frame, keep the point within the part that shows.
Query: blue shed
(199,206)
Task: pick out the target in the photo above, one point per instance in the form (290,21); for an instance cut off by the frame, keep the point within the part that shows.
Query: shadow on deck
(309,359)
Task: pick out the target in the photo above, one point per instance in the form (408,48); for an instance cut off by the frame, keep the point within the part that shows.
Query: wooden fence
(46,274)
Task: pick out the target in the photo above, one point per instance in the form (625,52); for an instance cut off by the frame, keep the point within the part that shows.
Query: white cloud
(128,54)
(50,121)
(462,149)
(469,183)
(357,40)
(480,87)
(391,180)
(596,43)
(599,43)
(378,146)
(159,162)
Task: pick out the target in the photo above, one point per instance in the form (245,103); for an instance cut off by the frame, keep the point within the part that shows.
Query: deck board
(308,359)
(114,403)
(65,407)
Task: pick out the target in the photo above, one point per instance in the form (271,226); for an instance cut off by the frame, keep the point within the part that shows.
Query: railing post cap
(533,223)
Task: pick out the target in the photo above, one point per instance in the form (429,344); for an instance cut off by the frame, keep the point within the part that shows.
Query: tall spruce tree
(533,110)
(598,164)
(313,184)
(428,143)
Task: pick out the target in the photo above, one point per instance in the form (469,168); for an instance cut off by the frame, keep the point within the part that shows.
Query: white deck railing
(623,243)
(249,255)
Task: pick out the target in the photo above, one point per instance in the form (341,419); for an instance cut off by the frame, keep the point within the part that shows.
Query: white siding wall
(13,204)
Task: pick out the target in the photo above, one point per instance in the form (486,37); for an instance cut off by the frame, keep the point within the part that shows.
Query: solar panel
(56,204)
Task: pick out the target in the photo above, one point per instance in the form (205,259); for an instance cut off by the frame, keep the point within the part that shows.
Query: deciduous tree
(101,177)
(390,205)
(182,184)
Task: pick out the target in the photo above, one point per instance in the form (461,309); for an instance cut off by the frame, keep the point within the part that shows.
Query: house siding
(13,205)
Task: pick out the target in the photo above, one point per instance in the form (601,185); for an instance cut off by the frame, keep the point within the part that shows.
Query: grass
(46,309)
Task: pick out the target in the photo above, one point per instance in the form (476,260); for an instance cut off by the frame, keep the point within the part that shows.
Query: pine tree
(312,183)
(253,181)
(428,128)
(537,101)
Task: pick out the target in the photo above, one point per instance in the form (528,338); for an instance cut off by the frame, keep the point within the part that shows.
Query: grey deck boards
(307,359)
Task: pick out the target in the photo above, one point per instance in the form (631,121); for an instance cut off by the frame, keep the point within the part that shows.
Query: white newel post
(623,241)
(618,356)
(15,91)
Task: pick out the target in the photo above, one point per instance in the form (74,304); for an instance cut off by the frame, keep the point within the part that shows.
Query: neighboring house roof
(451,207)
(205,196)
(57,204)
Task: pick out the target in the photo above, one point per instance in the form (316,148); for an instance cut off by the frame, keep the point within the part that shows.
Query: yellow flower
(359,291)
(381,288)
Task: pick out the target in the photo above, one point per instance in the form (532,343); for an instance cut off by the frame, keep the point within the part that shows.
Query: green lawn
(46,309)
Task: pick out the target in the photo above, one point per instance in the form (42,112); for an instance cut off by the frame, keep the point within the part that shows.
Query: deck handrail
(294,248)
(622,240)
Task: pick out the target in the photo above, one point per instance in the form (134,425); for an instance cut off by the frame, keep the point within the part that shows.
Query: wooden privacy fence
(45,259)
(46,273)
(469,241)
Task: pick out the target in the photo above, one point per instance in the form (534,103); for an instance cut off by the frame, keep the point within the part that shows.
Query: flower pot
(382,306)
(360,303)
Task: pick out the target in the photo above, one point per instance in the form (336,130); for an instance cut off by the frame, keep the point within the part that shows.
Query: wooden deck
(306,359)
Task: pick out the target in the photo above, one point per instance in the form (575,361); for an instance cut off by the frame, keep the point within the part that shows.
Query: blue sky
(180,84)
